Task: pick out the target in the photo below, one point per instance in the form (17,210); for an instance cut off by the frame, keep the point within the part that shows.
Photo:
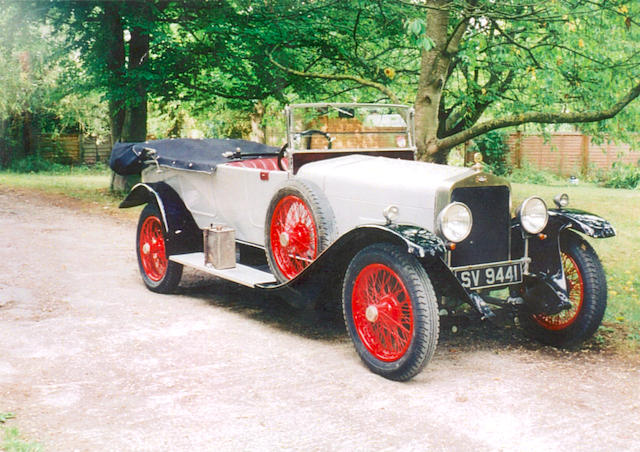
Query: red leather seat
(268,164)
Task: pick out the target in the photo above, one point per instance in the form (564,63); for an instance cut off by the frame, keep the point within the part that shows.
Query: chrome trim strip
(159,202)
(253,245)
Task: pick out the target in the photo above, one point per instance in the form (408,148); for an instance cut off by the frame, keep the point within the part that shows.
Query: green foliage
(11,441)
(574,55)
(494,149)
(35,97)
(35,164)
(528,174)
(514,57)
(417,31)
(622,175)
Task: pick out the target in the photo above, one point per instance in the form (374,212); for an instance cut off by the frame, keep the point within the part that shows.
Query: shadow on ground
(463,332)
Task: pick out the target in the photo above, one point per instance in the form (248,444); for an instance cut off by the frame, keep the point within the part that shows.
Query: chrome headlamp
(454,222)
(561,200)
(533,215)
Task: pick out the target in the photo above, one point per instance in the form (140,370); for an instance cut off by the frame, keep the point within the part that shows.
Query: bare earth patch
(91,360)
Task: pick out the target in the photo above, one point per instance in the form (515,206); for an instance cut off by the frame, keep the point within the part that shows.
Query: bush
(622,175)
(494,149)
(35,164)
(527,174)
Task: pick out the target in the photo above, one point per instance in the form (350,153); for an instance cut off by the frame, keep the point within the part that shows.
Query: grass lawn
(620,255)
(10,440)
(90,184)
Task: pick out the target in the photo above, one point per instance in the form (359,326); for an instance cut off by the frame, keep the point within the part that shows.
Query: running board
(241,274)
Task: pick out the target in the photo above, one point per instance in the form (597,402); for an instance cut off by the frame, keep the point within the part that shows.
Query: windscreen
(340,127)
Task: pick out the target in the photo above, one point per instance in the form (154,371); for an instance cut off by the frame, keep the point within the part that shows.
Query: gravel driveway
(91,360)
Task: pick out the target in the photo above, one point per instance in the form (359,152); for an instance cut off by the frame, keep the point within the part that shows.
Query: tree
(469,66)
(112,39)
(35,99)
(532,62)
(219,55)
(135,51)
(472,66)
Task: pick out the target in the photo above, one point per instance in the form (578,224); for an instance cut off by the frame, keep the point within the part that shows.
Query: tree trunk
(128,120)
(28,145)
(5,155)
(434,66)
(135,121)
(113,36)
(257,129)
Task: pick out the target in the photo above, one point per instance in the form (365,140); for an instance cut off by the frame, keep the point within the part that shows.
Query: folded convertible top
(184,153)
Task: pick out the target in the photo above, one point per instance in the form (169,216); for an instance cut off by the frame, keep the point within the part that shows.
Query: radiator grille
(490,236)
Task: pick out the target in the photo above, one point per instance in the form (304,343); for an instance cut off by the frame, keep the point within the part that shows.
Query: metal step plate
(241,274)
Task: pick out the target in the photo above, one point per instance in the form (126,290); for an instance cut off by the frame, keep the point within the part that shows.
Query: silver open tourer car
(344,204)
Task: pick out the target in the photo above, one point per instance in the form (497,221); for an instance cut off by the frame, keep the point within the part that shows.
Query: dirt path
(91,360)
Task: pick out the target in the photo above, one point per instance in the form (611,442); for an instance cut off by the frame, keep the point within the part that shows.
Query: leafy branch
(538,117)
(337,77)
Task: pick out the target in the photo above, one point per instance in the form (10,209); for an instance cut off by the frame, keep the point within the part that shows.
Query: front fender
(330,266)
(544,250)
(585,222)
(182,233)
(545,268)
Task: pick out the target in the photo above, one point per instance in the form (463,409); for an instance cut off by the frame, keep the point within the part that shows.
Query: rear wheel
(158,272)
(587,289)
(298,227)
(390,311)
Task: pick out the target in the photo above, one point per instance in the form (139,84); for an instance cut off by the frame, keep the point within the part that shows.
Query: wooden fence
(74,148)
(568,154)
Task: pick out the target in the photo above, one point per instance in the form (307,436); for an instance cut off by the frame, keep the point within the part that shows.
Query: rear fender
(182,233)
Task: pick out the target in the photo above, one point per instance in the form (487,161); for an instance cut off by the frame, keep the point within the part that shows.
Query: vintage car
(344,204)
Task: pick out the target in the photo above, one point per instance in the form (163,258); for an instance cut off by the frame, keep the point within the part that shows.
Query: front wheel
(587,289)
(158,272)
(390,311)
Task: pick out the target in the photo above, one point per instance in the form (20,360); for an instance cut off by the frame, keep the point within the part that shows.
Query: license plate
(480,277)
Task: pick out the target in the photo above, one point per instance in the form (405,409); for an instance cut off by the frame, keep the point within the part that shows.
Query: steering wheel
(310,132)
(283,150)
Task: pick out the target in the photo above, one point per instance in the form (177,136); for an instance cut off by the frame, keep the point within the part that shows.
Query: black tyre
(390,311)
(587,288)
(158,272)
(298,227)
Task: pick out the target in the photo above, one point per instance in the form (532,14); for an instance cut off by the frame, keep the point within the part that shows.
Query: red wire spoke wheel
(152,250)
(294,237)
(575,289)
(382,312)
(158,273)
(390,311)
(587,291)
(299,226)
